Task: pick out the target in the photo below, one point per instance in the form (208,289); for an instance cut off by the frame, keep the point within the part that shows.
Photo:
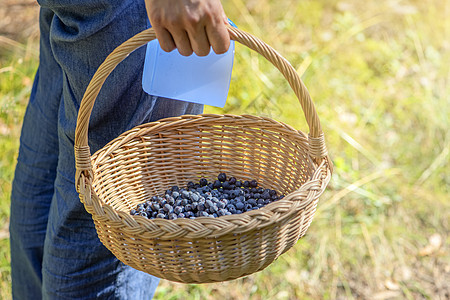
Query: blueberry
(217,184)
(181,215)
(260,201)
(185,194)
(155,206)
(154,198)
(195,197)
(265,195)
(222,212)
(133,212)
(240,205)
(248,207)
(221,204)
(240,198)
(226,185)
(213,209)
(231,208)
(173,216)
(214,215)
(246,184)
(170,200)
(238,211)
(208,203)
(178,209)
(201,207)
(232,180)
(161,216)
(238,183)
(168,192)
(257,195)
(202,214)
(144,214)
(253,183)
(203,182)
(252,202)
(175,188)
(222,177)
(168,208)
(190,184)
(175,195)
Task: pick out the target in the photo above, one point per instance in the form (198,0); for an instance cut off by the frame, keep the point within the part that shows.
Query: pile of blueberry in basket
(224,196)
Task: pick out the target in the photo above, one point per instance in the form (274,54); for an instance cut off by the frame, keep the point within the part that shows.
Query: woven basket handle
(82,152)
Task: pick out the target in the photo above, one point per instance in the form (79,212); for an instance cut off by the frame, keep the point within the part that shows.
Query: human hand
(189,25)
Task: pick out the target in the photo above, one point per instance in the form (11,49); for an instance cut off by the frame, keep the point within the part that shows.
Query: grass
(15,85)
(379,76)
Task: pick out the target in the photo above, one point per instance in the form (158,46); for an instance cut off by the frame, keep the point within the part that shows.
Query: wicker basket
(148,159)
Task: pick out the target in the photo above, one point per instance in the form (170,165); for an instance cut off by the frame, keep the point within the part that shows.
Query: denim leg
(75,264)
(32,187)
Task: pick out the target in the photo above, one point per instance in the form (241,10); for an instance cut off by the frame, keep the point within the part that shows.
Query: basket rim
(202,227)
(205,227)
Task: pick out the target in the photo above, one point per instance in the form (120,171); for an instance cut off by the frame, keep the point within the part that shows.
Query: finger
(218,37)
(199,42)
(165,39)
(182,42)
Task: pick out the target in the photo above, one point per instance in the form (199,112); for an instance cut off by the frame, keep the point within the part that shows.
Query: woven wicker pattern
(148,159)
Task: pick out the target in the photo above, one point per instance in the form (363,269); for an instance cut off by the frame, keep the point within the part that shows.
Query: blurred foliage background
(378,72)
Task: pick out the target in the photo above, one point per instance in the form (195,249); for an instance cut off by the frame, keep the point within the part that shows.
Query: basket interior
(145,162)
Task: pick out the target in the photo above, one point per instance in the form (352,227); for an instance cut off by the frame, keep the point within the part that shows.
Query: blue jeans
(55,251)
